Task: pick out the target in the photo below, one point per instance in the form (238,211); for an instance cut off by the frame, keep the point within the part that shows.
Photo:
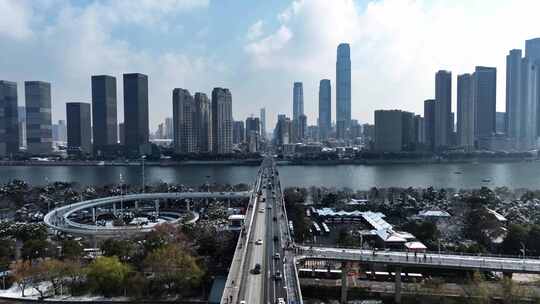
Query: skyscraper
(221,121)
(298,100)
(203,123)
(136,110)
(104,119)
(78,127)
(183,127)
(388,131)
(252,125)
(485,100)
(325,108)
(283,130)
(430,106)
(169,128)
(532,53)
(343,85)
(513,94)
(465,111)
(38,117)
(9,120)
(263,123)
(22,126)
(529,97)
(238,132)
(444,126)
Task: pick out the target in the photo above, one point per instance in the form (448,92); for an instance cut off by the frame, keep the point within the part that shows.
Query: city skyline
(285,25)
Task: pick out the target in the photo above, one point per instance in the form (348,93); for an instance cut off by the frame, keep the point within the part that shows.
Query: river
(512,174)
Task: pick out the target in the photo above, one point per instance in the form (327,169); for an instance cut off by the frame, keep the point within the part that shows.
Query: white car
(259,242)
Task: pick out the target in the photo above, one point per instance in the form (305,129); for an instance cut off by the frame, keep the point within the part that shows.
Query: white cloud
(396,47)
(14,19)
(255,30)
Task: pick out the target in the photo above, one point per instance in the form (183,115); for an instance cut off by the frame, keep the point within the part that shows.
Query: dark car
(256,269)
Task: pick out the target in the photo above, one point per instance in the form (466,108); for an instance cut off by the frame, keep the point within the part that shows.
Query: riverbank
(257,162)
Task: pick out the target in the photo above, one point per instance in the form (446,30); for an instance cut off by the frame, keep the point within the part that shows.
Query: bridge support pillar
(136,205)
(114,209)
(156,203)
(344,282)
(398,285)
(94,215)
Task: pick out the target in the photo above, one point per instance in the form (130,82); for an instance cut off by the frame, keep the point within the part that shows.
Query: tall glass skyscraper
(298,100)
(222,121)
(78,127)
(343,86)
(136,110)
(104,119)
(325,108)
(444,124)
(38,117)
(9,120)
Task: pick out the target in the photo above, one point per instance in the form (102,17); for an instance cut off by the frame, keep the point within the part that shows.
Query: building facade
(38,117)
(388,131)
(183,124)
(298,100)
(343,85)
(443,94)
(485,101)
(136,111)
(203,123)
(222,121)
(104,111)
(466,116)
(325,109)
(9,119)
(430,106)
(79,133)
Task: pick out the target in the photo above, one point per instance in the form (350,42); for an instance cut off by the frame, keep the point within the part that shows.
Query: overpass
(58,218)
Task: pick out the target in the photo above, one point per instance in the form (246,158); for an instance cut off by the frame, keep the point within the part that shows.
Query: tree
(22,274)
(533,244)
(106,275)
(74,274)
(174,269)
(517,234)
(71,249)
(53,271)
(123,249)
(34,248)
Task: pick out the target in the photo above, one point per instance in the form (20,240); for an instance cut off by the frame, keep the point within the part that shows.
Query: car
(261,210)
(259,242)
(244,302)
(276,238)
(276,256)
(256,269)
(275,218)
(279,301)
(269,207)
(277,275)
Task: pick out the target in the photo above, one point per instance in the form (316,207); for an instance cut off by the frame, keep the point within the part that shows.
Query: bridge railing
(431,252)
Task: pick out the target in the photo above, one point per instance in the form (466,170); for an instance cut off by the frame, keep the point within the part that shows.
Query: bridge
(264,265)
(58,218)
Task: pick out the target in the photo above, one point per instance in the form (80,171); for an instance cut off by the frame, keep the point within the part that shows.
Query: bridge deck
(428,260)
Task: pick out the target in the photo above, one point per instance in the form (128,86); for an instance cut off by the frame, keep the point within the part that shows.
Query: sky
(258,49)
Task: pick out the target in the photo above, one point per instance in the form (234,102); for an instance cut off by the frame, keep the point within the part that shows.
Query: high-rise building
(222,121)
(529,95)
(168,128)
(408,131)
(299,128)
(500,122)
(238,132)
(443,94)
(343,86)
(388,131)
(420,137)
(325,108)
(283,130)
(9,119)
(430,106)
(485,100)
(513,94)
(22,126)
(263,123)
(38,117)
(466,116)
(59,131)
(136,111)
(104,111)
(298,100)
(253,125)
(78,116)
(532,53)
(183,126)
(203,122)
(121,134)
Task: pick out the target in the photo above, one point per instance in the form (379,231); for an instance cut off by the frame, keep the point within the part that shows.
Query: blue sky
(259,48)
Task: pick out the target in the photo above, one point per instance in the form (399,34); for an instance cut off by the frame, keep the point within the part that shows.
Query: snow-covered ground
(32,294)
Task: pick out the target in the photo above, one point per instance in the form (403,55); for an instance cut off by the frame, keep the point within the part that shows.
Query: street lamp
(523,249)
(121,194)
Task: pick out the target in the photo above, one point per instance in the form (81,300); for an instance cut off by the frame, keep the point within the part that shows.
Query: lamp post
(121,194)
(523,249)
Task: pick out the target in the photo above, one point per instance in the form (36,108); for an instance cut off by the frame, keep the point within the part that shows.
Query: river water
(513,175)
